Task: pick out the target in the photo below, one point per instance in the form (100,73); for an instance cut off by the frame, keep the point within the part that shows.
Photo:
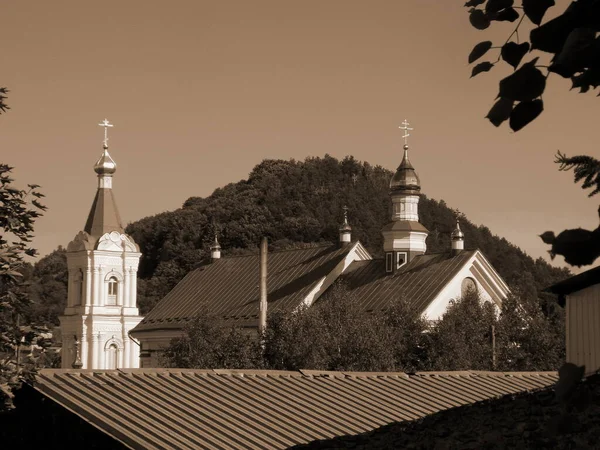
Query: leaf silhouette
(500,111)
(535,9)
(479,19)
(513,53)
(494,6)
(548,237)
(524,113)
(507,15)
(526,83)
(579,247)
(481,67)
(474,2)
(479,50)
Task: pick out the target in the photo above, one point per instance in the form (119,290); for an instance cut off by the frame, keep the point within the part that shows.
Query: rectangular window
(389,261)
(401,259)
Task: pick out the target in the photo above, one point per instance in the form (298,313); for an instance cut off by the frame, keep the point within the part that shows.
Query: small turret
(215,250)
(345,230)
(458,238)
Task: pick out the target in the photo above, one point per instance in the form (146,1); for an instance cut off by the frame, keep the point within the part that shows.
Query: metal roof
(230,286)
(418,282)
(104,216)
(237,409)
(575,283)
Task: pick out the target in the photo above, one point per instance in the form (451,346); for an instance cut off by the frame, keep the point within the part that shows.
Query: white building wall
(583,328)
(95,324)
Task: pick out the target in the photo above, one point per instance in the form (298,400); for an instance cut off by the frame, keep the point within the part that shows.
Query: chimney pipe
(262,312)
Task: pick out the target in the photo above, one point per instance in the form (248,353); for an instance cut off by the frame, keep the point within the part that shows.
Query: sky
(200,92)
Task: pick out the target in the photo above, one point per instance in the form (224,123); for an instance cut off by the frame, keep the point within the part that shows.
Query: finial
(406,130)
(345,208)
(77,364)
(106,126)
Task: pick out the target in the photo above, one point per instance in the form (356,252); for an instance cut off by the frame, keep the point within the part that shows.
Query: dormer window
(113,286)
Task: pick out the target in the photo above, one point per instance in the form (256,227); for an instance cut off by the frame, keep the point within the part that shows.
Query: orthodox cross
(406,129)
(106,125)
(345,208)
(354,179)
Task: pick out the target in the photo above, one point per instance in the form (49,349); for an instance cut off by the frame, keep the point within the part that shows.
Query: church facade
(102,286)
(230,287)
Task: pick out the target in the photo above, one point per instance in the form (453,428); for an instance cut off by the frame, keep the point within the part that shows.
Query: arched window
(113,287)
(468,284)
(112,356)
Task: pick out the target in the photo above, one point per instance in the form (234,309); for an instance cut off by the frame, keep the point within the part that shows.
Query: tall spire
(104,216)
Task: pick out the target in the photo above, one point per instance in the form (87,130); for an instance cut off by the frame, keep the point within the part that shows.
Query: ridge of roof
(302,373)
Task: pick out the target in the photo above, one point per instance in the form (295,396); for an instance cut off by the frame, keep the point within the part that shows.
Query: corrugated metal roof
(185,409)
(230,286)
(418,282)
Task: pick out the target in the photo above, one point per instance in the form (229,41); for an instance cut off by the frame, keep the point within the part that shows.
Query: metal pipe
(262,312)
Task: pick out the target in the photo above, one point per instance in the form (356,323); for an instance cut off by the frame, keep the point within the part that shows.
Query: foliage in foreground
(19,210)
(336,334)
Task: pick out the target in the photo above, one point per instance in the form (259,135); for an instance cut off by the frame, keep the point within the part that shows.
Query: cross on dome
(106,124)
(406,130)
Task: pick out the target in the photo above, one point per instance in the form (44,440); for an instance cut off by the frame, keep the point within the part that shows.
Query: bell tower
(404,237)
(102,287)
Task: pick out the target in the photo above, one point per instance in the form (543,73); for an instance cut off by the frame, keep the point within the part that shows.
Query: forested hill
(297,203)
(294,202)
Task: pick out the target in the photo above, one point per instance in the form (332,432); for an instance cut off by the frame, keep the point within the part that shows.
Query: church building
(102,285)
(238,289)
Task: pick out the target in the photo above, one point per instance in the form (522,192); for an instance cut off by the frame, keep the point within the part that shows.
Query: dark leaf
(577,53)
(507,15)
(513,53)
(587,79)
(569,376)
(479,19)
(526,83)
(548,237)
(474,2)
(479,50)
(500,111)
(535,9)
(524,113)
(481,67)
(494,6)
(551,36)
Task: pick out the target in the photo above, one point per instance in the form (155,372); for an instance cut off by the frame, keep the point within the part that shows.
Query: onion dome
(105,165)
(405,178)
(457,233)
(215,246)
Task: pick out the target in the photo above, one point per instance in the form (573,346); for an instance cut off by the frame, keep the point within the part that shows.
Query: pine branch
(584,167)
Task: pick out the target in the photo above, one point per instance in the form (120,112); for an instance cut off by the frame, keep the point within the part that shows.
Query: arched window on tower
(112,356)
(113,288)
(468,284)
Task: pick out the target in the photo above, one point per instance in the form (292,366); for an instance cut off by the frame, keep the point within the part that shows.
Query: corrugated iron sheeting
(418,282)
(220,409)
(230,286)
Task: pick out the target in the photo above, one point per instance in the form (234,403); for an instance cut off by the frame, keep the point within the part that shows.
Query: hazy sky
(200,92)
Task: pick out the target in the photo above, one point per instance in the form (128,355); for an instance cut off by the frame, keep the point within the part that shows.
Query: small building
(580,296)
